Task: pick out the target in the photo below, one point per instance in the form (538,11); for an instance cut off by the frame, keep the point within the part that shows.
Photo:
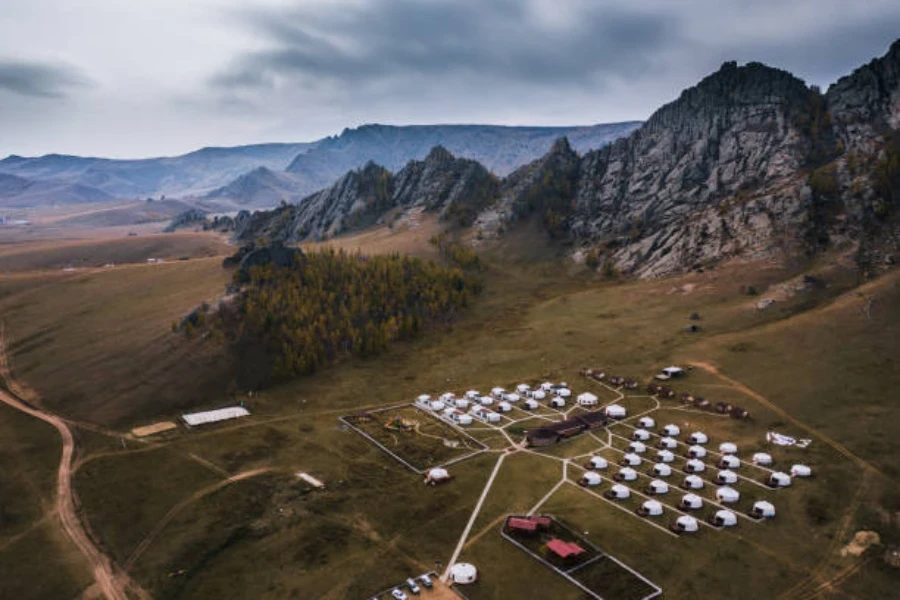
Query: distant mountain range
(265,174)
(751,162)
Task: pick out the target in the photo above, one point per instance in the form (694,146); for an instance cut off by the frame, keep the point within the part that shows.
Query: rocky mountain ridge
(750,162)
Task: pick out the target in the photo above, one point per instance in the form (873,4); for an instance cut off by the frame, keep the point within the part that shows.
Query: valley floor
(218,512)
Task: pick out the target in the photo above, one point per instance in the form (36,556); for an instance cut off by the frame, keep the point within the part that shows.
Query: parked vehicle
(426,581)
(411,584)
(398,594)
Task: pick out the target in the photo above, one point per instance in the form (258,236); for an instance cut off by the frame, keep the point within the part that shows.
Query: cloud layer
(186,73)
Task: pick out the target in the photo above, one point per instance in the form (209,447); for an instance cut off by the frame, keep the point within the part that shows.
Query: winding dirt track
(112,581)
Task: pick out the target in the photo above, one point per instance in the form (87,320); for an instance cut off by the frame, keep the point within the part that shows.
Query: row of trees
(331,305)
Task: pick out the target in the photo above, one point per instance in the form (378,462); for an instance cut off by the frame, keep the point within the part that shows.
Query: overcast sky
(140,78)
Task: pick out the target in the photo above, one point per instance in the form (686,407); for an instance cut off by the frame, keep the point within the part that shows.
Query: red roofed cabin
(563,549)
(528,525)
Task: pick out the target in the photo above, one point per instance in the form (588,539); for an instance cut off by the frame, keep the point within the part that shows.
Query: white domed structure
(779,479)
(697,452)
(598,462)
(665,456)
(724,518)
(800,471)
(762,459)
(619,491)
(692,482)
(658,487)
(651,508)
(727,495)
(729,461)
(641,435)
(691,502)
(627,474)
(631,459)
(726,476)
(668,443)
(698,437)
(763,510)
(671,430)
(591,479)
(685,524)
(463,573)
(637,447)
(694,466)
(646,423)
(728,448)
(662,470)
(615,411)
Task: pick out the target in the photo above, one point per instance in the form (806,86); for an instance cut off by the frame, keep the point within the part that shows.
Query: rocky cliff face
(748,162)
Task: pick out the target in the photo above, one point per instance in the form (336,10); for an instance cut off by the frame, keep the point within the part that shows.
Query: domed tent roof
(698,437)
(730,462)
(662,470)
(587,399)
(436,405)
(725,518)
(512,397)
(728,448)
(686,523)
(424,398)
(438,473)
(726,476)
(504,406)
(697,451)
(522,388)
(695,466)
(461,403)
(486,400)
(631,459)
(641,434)
(627,474)
(659,486)
(727,495)
(463,573)
(801,471)
(620,491)
(473,394)
(692,482)
(637,447)
(532,404)
(671,430)
(615,411)
(692,501)
(653,507)
(665,456)
(646,422)
(464,419)
(761,458)
(764,509)
(447,396)
(592,478)
(598,462)
(668,442)
(539,394)
(498,391)
(780,479)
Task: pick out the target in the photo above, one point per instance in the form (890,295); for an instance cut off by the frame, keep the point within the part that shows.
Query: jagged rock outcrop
(453,187)
(187,218)
(260,187)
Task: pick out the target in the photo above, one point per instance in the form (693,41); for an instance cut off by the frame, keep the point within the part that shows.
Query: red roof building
(543,522)
(518,524)
(564,549)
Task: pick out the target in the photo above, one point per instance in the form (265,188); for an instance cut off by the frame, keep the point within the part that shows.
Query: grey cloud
(38,79)
(498,41)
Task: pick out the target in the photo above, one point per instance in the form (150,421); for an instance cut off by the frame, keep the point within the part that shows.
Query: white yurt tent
(779,479)
(665,456)
(728,448)
(619,491)
(523,388)
(486,400)
(492,417)
(724,518)
(497,392)
(800,471)
(658,487)
(437,475)
(698,437)
(762,459)
(692,482)
(686,524)
(727,495)
(436,405)
(661,470)
(512,397)
(504,406)
(627,474)
(423,399)
(631,460)
(598,462)
(563,392)
(691,502)
(652,508)
(557,402)
(646,422)
(615,411)
(726,476)
(671,430)
(587,399)
(531,404)
(694,466)
(546,386)
(461,403)
(473,394)
(590,478)
(729,461)
(637,447)
(641,435)
(539,394)
(463,573)
(669,443)
(763,509)
(697,452)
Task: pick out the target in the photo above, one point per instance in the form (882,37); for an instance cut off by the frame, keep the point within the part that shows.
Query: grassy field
(814,365)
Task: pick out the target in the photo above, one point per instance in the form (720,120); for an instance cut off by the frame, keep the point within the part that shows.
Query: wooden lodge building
(550,434)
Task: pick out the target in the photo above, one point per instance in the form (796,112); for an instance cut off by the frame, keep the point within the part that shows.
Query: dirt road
(112,581)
